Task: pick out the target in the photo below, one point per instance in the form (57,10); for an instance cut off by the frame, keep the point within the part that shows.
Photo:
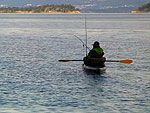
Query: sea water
(33,81)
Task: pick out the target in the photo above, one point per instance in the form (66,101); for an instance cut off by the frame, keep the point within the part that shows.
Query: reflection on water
(32,79)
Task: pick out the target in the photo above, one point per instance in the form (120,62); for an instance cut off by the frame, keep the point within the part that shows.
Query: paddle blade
(126,61)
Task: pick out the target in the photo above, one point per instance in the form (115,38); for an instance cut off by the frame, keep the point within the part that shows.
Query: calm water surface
(33,81)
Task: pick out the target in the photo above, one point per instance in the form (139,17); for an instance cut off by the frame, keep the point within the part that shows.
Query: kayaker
(95,56)
(96,52)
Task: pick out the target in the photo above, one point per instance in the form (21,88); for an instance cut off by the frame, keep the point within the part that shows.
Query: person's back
(95,56)
(96,52)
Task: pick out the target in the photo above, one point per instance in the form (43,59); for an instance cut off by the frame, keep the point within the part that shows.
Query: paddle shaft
(112,61)
(68,60)
(76,60)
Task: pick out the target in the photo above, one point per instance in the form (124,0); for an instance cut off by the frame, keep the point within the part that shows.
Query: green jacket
(96,53)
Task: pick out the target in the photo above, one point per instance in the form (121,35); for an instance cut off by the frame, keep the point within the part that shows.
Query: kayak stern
(94,69)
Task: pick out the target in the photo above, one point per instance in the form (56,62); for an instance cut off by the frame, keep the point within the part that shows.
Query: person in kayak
(95,56)
(96,52)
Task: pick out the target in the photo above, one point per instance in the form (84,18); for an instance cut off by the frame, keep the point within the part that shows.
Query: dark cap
(96,44)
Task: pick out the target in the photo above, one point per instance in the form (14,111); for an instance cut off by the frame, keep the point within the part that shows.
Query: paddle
(121,61)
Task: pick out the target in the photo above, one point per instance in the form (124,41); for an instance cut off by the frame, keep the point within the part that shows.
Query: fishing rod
(86,34)
(82,42)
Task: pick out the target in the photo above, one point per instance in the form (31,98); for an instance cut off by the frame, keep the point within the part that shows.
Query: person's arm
(102,54)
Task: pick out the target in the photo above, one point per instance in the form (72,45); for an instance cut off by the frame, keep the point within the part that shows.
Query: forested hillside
(145,7)
(41,9)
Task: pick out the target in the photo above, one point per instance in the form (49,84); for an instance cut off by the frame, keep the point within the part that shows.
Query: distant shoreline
(139,12)
(41,9)
(74,12)
(142,9)
(50,12)
(77,13)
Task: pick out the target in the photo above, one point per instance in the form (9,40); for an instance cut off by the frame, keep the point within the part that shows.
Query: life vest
(96,53)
